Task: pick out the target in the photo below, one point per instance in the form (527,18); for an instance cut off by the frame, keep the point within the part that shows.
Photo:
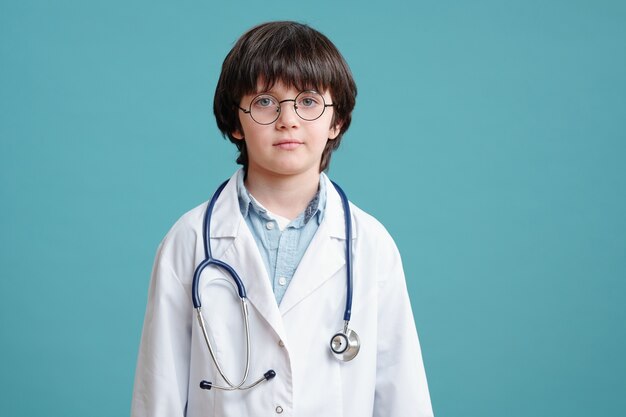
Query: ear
(237,135)
(334,131)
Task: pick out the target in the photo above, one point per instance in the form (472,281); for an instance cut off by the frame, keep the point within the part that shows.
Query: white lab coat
(386,378)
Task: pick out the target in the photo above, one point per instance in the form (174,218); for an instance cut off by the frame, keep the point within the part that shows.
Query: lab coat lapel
(324,257)
(321,261)
(245,258)
(243,255)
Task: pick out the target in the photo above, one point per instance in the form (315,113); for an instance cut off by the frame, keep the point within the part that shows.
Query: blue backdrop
(489,137)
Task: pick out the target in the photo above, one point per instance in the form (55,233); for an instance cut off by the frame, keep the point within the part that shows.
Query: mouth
(288,144)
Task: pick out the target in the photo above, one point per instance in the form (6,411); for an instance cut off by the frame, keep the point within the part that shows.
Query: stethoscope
(344,344)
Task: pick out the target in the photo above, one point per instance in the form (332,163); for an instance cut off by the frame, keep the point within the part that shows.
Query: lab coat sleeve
(162,374)
(401,387)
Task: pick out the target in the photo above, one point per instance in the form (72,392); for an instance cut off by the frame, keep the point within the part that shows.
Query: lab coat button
(269,225)
(281,343)
(279,409)
(282,281)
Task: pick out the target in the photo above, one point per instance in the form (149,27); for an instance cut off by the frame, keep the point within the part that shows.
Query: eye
(264,102)
(309,100)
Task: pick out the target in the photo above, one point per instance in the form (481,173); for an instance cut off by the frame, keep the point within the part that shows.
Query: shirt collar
(316,206)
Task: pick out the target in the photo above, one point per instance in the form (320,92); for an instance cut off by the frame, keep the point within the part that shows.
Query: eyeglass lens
(265,108)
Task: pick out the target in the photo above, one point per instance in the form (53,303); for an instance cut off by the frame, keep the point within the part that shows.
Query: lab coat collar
(322,260)
(229,221)
(334,212)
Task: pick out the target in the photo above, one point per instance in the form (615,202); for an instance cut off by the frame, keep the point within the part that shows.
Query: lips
(288,144)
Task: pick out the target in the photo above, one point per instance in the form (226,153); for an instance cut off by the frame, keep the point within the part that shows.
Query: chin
(292,171)
(287,168)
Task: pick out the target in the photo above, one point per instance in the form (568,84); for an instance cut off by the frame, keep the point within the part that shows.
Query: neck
(285,195)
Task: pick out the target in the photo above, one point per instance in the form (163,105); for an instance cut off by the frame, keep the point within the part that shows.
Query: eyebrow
(271,92)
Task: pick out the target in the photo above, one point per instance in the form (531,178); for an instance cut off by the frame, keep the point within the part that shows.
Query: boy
(284,98)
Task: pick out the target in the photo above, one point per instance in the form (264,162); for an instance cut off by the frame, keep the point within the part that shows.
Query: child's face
(290,145)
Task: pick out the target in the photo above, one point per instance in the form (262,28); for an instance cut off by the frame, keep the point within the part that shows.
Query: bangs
(301,72)
(296,58)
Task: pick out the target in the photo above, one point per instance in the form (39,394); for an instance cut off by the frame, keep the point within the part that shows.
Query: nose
(287,116)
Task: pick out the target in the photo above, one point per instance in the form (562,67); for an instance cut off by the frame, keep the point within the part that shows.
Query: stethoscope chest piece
(345,345)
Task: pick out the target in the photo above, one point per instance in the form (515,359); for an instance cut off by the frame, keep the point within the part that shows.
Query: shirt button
(282,281)
(269,225)
(281,343)
(279,409)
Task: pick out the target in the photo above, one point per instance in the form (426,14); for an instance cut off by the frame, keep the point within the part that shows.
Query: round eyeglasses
(265,108)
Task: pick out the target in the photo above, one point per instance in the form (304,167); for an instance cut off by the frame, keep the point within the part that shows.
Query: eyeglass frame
(280,107)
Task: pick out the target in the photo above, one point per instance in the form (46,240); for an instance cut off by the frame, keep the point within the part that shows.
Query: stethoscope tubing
(208,256)
(244,313)
(209,260)
(348,222)
(350,337)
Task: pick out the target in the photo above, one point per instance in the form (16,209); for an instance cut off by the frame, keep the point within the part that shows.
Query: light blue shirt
(281,250)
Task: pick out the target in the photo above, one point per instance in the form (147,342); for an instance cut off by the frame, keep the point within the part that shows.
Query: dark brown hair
(288,52)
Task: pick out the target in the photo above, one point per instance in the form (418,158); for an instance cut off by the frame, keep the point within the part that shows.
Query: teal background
(489,137)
